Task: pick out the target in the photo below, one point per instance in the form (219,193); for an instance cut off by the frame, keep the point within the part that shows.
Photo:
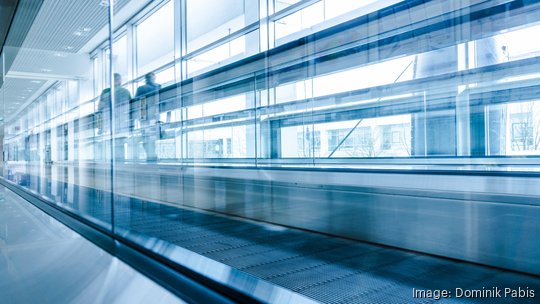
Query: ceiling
(45,44)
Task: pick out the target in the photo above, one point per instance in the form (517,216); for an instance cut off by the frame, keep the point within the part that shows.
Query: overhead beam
(7,11)
(40,76)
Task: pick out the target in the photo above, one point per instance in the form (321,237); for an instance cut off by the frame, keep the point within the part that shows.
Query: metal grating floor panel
(326,269)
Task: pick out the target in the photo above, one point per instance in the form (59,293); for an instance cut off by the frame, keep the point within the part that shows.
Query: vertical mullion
(181,27)
(112,110)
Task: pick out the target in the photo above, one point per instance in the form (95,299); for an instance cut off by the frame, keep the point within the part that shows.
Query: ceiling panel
(67,25)
(44,42)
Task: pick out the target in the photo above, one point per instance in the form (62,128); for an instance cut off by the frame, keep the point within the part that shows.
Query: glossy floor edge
(42,260)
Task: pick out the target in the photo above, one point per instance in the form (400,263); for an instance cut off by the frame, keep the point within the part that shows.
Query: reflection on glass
(254,86)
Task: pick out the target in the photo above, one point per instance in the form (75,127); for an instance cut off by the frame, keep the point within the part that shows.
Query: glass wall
(334,70)
(197,85)
(50,78)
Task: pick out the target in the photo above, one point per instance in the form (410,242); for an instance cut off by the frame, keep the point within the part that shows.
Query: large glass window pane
(155,39)
(315,16)
(282,4)
(120,57)
(301,20)
(209,20)
(231,142)
(165,77)
(224,53)
(523,128)
(335,8)
(371,137)
(97,76)
(73,93)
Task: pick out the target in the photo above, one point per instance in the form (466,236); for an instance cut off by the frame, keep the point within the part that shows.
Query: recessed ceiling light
(69,48)
(77,33)
(106,2)
(35,81)
(44,70)
(86,29)
(60,55)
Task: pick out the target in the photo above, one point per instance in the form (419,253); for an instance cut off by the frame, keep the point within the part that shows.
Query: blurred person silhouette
(147,104)
(121,115)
